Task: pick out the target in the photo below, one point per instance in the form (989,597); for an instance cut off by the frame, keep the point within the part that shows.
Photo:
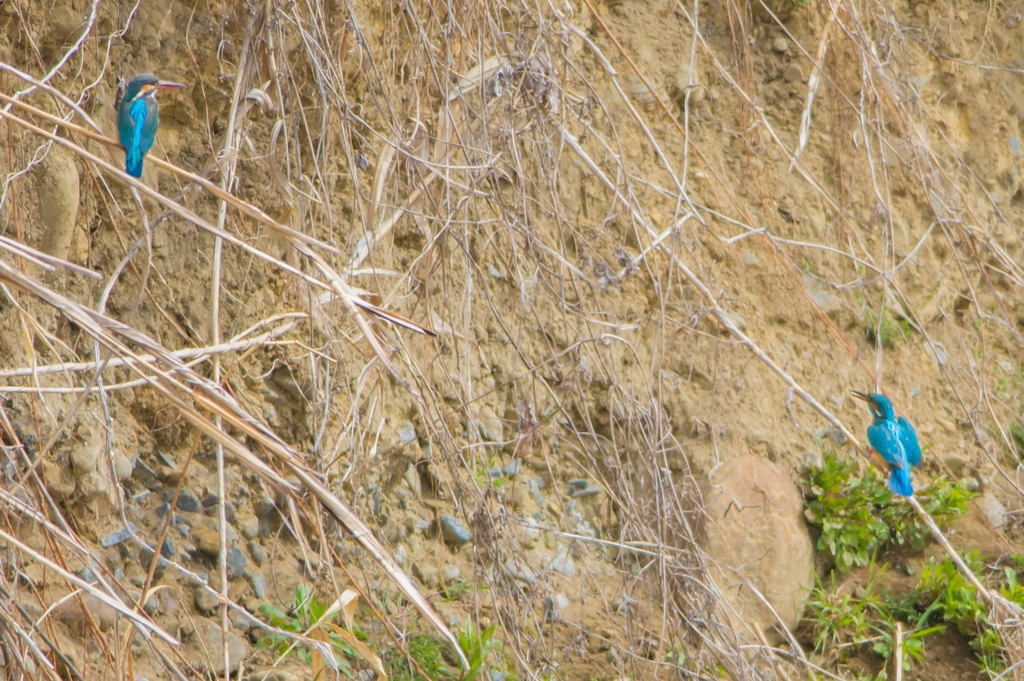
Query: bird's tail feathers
(899,482)
(133,164)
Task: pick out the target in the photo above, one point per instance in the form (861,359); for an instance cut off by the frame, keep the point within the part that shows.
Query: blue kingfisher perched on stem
(138,117)
(894,439)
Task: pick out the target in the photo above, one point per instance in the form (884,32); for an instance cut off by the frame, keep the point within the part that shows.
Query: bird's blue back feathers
(137,121)
(895,440)
(135,141)
(908,438)
(884,436)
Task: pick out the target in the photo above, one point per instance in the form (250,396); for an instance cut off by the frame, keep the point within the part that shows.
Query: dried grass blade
(103,328)
(244,207)
(336,282)
(812,90)
(340,510)
(186,354)
(45,260)
(143,623)
(380,178)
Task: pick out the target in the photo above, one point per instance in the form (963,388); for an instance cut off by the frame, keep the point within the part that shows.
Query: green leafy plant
(858,514)
(425,661)
(477,646)
(453,591)
(428,658)
(676,655)
(845,623)
(955,599)
(944,501)
(838,619)
(912,648)
(889,332)
(307,611)
(843,506)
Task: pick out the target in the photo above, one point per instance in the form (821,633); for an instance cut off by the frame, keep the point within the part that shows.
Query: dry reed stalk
(509,87)
(107,331)
(234,345)
(1003,611)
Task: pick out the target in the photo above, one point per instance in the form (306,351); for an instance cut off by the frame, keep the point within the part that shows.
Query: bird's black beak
(861,396)
(168,85)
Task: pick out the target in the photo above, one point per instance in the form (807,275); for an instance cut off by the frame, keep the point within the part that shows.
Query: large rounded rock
(756,533)
(57,189)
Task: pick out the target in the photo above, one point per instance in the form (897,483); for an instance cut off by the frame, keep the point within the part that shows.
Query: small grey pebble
(520,571)
(563,562)
(811,461)
(512,469)
(236,563)
(205,602)
(229,512)
(450,573)
(577,485)
(188,502)
(250,527)
(118,536)
(258,553)
(163,509)
(452,531)
(259,585)
(587,492)
(146,555)
(407,432)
